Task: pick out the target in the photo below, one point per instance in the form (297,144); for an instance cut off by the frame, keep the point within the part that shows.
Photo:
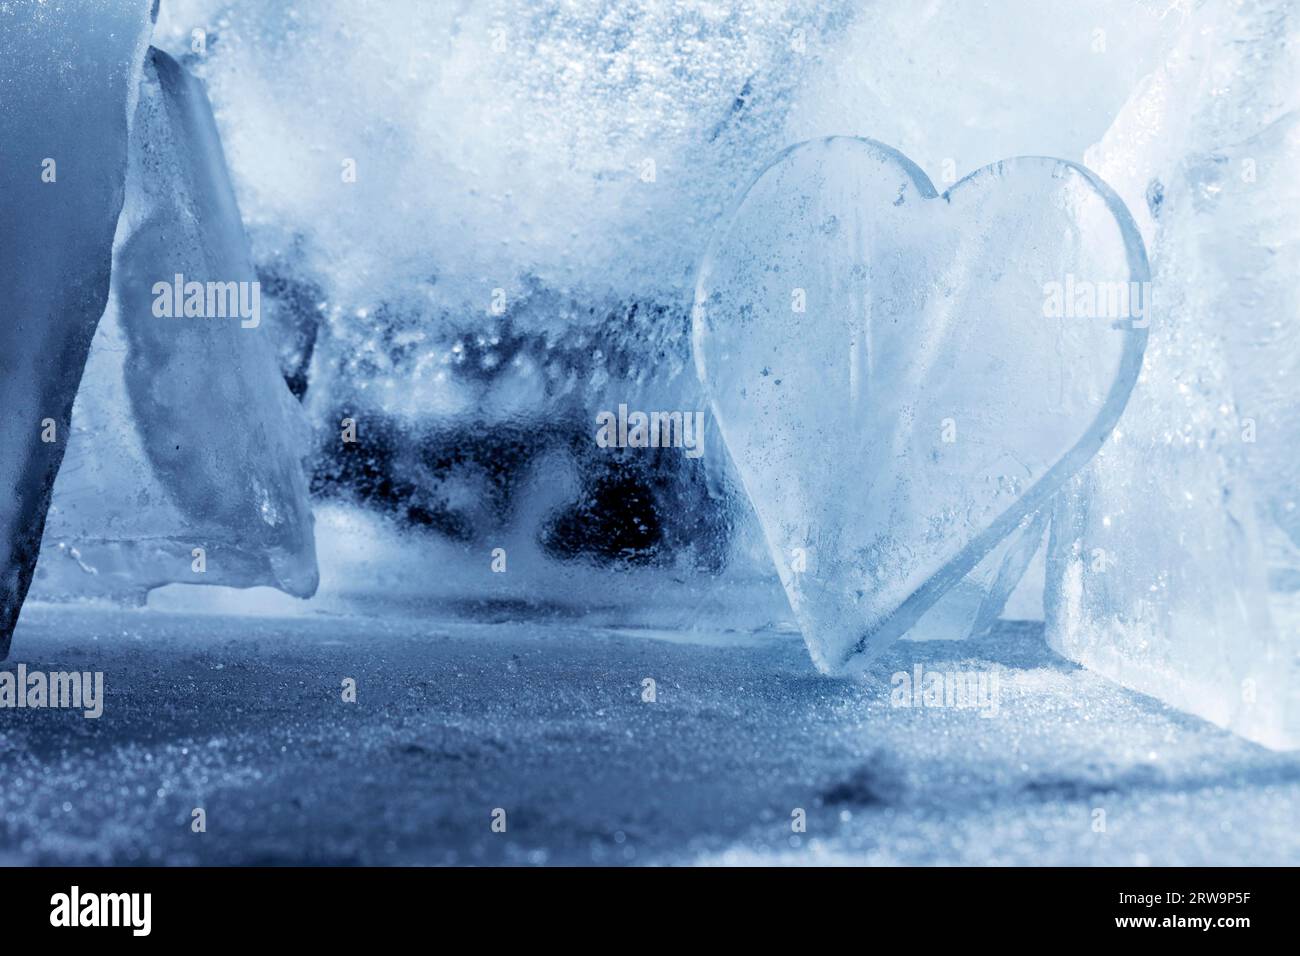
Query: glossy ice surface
(904,378)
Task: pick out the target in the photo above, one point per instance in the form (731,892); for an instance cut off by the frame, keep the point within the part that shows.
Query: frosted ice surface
(548,177)
(534,124)
(954,88)
(512,145)
(591,168)
(186,435)
(68,74)
(1173,566)
(1251,285)
(891,375)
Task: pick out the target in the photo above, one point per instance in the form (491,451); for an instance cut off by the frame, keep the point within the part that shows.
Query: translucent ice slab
(185,464)
(68,77)
(1173,567)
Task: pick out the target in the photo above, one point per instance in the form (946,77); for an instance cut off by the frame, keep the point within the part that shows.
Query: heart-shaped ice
(901,377)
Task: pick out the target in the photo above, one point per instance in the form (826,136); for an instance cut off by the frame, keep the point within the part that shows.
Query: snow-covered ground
(244,717)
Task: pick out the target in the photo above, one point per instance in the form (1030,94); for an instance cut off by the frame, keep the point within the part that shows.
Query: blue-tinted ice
(186,435)
(1175,559)
(904,379)
(68,75)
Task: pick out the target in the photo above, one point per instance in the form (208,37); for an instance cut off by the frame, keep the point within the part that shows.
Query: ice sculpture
(185,462)
(68,77)
(902,378)
(1173,566)
(577,170)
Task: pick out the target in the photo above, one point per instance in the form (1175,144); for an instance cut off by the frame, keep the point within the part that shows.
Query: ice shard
(1173,566)
(185,462)
(68,77)
(904,379)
